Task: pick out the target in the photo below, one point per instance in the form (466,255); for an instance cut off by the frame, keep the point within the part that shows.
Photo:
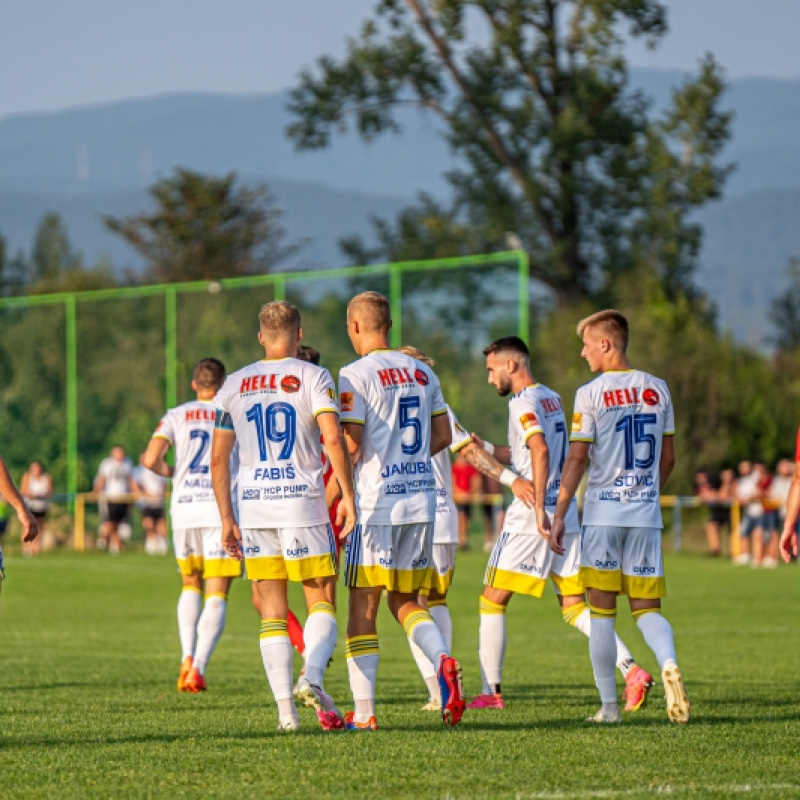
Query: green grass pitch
(88,707)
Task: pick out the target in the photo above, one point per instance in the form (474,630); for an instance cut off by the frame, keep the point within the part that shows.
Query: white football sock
(603,652)
(657,633)
(277,655)
(190,606)
(425,634)
(319,635)
(362,657)
(583,623)
(209,629)
(441,616)
(492,644)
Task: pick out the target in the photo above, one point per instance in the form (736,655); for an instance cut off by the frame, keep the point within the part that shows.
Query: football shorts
(201,550)
(522,563)
(623,560)
(295,554)
(395,557)
(441,574)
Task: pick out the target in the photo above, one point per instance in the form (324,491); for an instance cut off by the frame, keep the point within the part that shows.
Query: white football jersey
(445,529)
(188,428)
(537,409)
(624,414)
(394,397)
(272,405)
(118,476)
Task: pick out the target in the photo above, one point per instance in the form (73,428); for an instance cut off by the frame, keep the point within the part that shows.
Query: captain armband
(223,420)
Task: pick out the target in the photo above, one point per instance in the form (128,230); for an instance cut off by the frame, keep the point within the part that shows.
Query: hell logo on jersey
(346,401)
(650,396)
(290,383)
(420,377)
(577,422)
(529,420)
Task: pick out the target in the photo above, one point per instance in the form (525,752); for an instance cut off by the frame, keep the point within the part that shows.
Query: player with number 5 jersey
(281,411)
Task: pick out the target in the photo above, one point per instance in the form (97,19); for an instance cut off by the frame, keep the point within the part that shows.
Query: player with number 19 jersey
(624,414)
(272,406)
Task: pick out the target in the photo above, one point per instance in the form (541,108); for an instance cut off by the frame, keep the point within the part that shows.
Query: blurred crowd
(760,497)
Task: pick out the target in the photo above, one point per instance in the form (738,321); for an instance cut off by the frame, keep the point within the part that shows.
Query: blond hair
(372,311)
(611,324)
(412,351)
(278,318)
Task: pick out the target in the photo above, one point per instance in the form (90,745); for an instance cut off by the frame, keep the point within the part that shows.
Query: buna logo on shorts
(296,550)
(387,561)
(252,550)
(644,569)
(606,563)
(531,567)
(420,562)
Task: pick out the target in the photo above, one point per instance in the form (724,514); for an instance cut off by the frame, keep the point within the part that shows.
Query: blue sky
(60,53)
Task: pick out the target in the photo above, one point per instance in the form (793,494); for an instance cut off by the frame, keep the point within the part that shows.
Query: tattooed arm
(489,465)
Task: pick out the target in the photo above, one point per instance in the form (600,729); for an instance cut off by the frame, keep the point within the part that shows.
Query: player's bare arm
(571,475)
(499,452)
(153,457)
(353,437)
(332,491)
(789,540)
(441,433)
(30,527)
(490,466)
(338,453)
(667,461)
(540,464)
(222,443)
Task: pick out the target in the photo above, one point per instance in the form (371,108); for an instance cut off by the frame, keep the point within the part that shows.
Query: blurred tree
(206,228)
(785,311)
(13,271)
(552,142)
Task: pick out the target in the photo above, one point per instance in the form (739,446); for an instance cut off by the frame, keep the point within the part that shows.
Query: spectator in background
(153,488)
(752,513)
(115,485)
(777,494)
(707,489)
(467,484)
(36,488)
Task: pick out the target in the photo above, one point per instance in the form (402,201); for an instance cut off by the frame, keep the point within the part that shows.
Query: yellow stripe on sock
(223,595)
(416,618)
(488,607)
(322,608)
(355,646)
(273,627)
(192,589)
(602,613)
(572,613)
(642,611)
(434,603)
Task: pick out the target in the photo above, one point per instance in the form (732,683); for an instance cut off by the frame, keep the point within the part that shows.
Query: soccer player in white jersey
(206,569)
(521,560)
(623,422)
(276,409)
(30,525)
(395,420)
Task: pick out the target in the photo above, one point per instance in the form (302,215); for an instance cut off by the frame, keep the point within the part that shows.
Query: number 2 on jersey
(196,465)
(633,428)
(267,429)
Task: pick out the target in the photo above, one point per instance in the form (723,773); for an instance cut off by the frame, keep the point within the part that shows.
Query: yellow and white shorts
(396,557)
(295,554)
(522,562)
(623,560)
(200,550)
(444,564)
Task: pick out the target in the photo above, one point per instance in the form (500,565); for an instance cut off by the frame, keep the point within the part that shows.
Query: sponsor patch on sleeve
(459,428)
(331,393)
(529,420)
(346,401)
(577,422)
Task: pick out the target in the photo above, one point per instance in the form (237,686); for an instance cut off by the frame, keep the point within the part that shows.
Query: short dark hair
(209,373)
(309,354)
(506,344)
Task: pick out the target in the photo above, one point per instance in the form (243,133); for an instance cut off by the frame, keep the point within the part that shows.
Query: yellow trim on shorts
(190,565)
(406,581)
(605,580)
(438,582)
(514,582)
(568,586)
(275,568)
(644,588)
(222,568)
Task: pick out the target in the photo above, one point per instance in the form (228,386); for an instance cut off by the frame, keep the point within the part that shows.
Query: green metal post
(395,305)
(523,295)
(171,345)
(72,400)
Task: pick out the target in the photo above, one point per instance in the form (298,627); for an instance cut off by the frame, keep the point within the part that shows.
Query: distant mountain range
(83,162)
